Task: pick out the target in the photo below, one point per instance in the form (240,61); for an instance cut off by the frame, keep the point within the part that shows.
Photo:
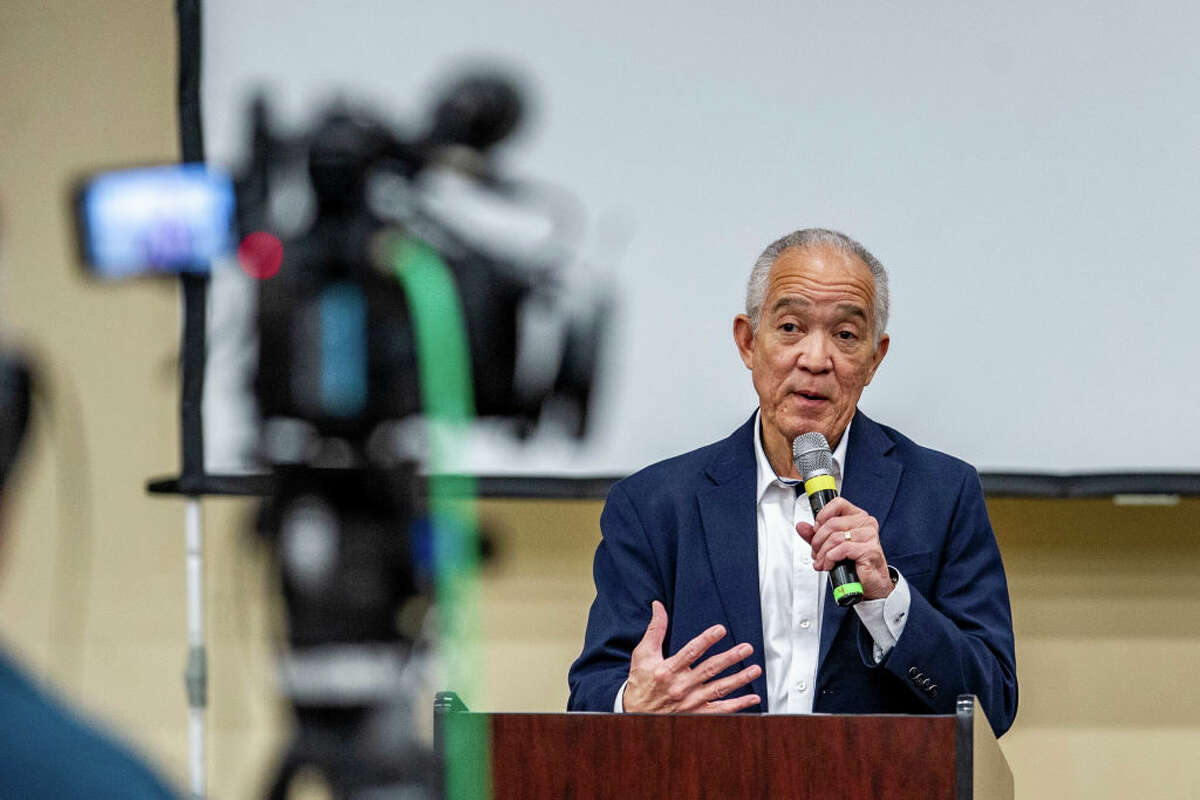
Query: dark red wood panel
(739,756)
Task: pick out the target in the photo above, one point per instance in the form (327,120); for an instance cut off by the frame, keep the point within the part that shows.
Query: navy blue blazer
(684,532)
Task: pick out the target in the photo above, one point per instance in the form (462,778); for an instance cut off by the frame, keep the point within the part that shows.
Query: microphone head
(811,455)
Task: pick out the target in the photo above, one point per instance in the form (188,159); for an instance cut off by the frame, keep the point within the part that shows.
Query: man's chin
(796,425)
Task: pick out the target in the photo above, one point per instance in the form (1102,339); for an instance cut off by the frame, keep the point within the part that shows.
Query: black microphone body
(814,462)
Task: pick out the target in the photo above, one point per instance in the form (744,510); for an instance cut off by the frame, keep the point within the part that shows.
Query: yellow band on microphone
(819,483)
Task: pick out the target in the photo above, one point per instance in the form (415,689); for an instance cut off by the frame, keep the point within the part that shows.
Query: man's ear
(743,337)
(880,351)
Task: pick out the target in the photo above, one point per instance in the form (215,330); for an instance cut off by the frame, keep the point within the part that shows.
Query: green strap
(443,353)
(447,396)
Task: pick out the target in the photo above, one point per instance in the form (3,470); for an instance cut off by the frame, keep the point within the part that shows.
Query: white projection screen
(1028,173)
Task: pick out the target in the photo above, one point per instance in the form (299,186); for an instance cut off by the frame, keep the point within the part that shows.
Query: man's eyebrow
(853,310)
(790,300)
(846,309)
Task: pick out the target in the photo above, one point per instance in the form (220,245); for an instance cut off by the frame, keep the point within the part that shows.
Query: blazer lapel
(870,483)
(728,515)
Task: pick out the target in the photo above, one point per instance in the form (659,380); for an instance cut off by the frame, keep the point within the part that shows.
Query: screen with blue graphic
(156,220)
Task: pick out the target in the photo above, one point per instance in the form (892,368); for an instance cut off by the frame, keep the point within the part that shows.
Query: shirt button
(804,623)
(801,686)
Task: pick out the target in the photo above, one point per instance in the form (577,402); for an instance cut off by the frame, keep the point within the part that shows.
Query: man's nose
(815,353)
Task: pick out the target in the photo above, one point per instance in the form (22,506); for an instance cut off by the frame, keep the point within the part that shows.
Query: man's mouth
(811,397)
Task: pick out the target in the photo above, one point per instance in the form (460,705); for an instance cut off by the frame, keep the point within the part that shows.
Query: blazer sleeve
(627,578)
(959,639)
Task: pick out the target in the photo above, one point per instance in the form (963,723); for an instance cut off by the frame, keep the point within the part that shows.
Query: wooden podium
(840,757)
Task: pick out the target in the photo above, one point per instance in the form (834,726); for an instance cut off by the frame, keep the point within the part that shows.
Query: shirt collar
(766,473)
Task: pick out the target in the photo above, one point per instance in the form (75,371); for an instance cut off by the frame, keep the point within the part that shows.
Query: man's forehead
(821,272)
(822,258)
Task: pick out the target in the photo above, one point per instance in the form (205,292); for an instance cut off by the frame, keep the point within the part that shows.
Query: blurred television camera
(374,311)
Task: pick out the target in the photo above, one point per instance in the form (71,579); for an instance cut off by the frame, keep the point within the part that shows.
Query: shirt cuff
(884,618)
(619,703)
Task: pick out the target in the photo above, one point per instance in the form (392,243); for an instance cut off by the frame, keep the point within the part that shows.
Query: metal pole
(195,676)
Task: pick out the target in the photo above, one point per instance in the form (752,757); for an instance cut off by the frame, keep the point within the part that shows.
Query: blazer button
(933,690)
(913,672)
(926,683)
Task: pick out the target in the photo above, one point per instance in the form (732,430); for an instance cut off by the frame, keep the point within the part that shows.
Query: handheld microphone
(814,462)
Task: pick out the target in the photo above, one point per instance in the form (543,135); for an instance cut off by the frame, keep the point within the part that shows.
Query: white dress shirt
(793,594)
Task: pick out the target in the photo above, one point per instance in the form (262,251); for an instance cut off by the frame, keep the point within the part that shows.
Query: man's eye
(847,336)
(789,327)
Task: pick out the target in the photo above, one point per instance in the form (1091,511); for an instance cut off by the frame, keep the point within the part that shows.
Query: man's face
(814,349)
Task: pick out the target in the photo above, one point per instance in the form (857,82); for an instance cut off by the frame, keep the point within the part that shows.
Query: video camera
(373,311)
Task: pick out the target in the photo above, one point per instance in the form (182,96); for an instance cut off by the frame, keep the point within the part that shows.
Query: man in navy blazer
(678,569)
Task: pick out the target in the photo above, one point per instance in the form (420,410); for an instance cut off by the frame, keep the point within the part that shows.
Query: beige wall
(1106,610)
(1106,599)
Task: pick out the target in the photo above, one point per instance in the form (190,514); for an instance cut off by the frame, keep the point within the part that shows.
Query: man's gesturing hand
(660,685)
(846,531)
